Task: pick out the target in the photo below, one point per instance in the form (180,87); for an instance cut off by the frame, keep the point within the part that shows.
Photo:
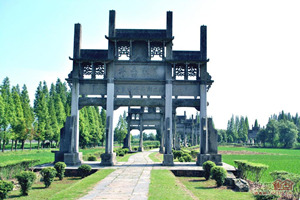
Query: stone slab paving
(131,181)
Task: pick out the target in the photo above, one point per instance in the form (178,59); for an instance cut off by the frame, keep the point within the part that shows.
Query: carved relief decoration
(179,70)
(99,69)
(124,50)
(192,70)
(156,50)
(87,69)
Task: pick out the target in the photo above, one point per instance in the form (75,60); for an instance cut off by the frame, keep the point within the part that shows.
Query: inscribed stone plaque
(145,89)
(139,72)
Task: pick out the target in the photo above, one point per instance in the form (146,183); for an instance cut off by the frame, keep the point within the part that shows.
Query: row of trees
(282,130)
(19,121)
(237,130)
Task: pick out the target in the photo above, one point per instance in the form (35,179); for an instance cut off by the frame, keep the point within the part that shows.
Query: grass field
(68,188)
(203,189)
(276,159)
(163,186)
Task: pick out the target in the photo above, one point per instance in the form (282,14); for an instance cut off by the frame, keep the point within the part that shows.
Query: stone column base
(168,160)
(108,159)
(216,158)
(161,150)
(72,159)
(141,149)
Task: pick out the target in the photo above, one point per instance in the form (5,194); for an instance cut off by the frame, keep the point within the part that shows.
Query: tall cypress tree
(41,112)
(18,122)
(27,112)
(60,111)
(5,124)
(53,122)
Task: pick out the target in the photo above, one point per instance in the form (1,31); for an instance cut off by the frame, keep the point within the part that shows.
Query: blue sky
(253,45)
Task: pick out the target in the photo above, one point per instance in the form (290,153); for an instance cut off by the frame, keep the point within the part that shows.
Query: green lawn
(69,188)
(45,155)
(163,186)
(208,190)
(276,159)
(156,157)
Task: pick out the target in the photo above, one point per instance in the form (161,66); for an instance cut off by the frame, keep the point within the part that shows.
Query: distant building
(252,134)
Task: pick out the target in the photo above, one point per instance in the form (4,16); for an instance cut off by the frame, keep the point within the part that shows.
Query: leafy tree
(18,121)
(60,111)
(103,120)
(5,124)
(287,133)
(256,123)
(27,112)
(53,122)
(272,132)
(262,136)
(41,113)
(231,130)
(84,129)
(121,128)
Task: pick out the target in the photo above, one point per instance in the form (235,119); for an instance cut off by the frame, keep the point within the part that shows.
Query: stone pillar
(161,148)
(192,132)
(168,156)
(127,140)
(174,129)
(169,34)
(141,148)
(109,157)
(73,157)
(184,136)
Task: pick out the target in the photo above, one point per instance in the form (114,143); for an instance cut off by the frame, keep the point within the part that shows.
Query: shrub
(180,159)
(92,158)
(26,179)
(207,166)
(249,169)
(187,157)
(48,175)
(84,170)
(241,165)
(126,150)
(219,174)
(5,187)
(60,169)
(177,154)
(266,197)
(194,153)
(121,153)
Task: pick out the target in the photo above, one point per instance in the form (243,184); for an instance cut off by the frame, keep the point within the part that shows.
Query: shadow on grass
(14,196)
(37,188)
(206,188)
(74,178)
(200,180)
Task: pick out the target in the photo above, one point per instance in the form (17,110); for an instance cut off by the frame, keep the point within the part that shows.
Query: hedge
(251,170)
(10,168)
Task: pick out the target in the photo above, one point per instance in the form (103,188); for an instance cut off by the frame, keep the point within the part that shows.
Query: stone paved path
(129,182)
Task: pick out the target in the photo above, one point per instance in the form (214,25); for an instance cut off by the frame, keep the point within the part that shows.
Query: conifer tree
(41,112)
(18,121)
(5,124)
(60,111)
(27,112)
(53,122)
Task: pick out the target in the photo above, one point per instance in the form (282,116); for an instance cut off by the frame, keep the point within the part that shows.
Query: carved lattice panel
(156,50)
(124,50)
(179,70)
(99,69)
(87,69)
(192,70)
